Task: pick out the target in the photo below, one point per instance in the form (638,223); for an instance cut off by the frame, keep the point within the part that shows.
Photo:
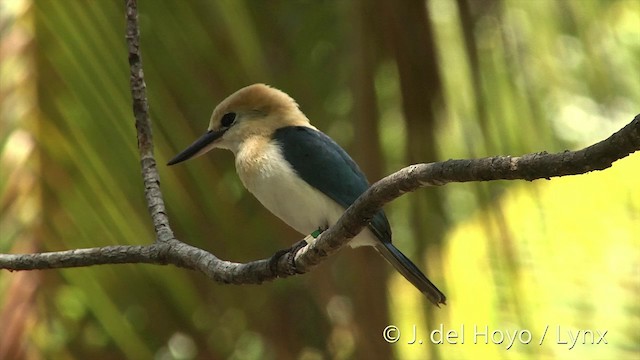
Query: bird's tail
(411,272)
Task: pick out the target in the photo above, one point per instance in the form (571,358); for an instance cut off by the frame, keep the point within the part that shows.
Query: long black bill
(195,148)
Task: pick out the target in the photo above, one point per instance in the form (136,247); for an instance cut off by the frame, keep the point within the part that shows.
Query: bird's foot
(290,254)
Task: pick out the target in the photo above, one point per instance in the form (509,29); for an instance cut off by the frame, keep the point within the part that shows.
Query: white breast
(270,178)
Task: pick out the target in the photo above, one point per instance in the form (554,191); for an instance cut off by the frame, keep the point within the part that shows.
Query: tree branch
(528,167)
(172,251)
(169,250)
(150,176)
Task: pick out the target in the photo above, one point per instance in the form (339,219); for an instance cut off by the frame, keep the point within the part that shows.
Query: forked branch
(166,249)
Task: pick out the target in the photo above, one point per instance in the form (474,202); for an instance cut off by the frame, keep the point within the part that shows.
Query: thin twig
(150,176)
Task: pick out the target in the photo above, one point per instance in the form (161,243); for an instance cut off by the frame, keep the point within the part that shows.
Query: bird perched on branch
(296,171)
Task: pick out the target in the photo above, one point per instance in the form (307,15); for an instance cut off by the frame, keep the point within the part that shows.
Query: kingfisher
(296,171)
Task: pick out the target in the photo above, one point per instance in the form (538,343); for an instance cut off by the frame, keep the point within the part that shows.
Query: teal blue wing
(323,164)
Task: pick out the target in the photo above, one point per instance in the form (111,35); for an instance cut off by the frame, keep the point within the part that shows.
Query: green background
(393,82)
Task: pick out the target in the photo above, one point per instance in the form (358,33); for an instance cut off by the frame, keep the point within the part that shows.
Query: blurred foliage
(515,76)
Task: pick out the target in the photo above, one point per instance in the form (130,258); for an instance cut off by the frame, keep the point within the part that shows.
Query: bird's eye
(228,119)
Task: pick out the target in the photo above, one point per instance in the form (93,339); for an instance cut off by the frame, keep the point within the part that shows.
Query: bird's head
(255,110)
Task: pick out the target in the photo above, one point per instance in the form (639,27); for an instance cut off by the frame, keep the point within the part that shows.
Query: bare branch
(81,257)
(153,195)
(527,167)
(168,250)
(171,251)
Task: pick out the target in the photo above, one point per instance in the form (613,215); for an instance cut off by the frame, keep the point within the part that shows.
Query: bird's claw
(291,258)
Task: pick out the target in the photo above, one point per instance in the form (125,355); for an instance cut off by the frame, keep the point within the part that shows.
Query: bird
(296,171)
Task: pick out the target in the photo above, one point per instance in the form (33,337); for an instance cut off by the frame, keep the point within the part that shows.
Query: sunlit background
(395,83)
